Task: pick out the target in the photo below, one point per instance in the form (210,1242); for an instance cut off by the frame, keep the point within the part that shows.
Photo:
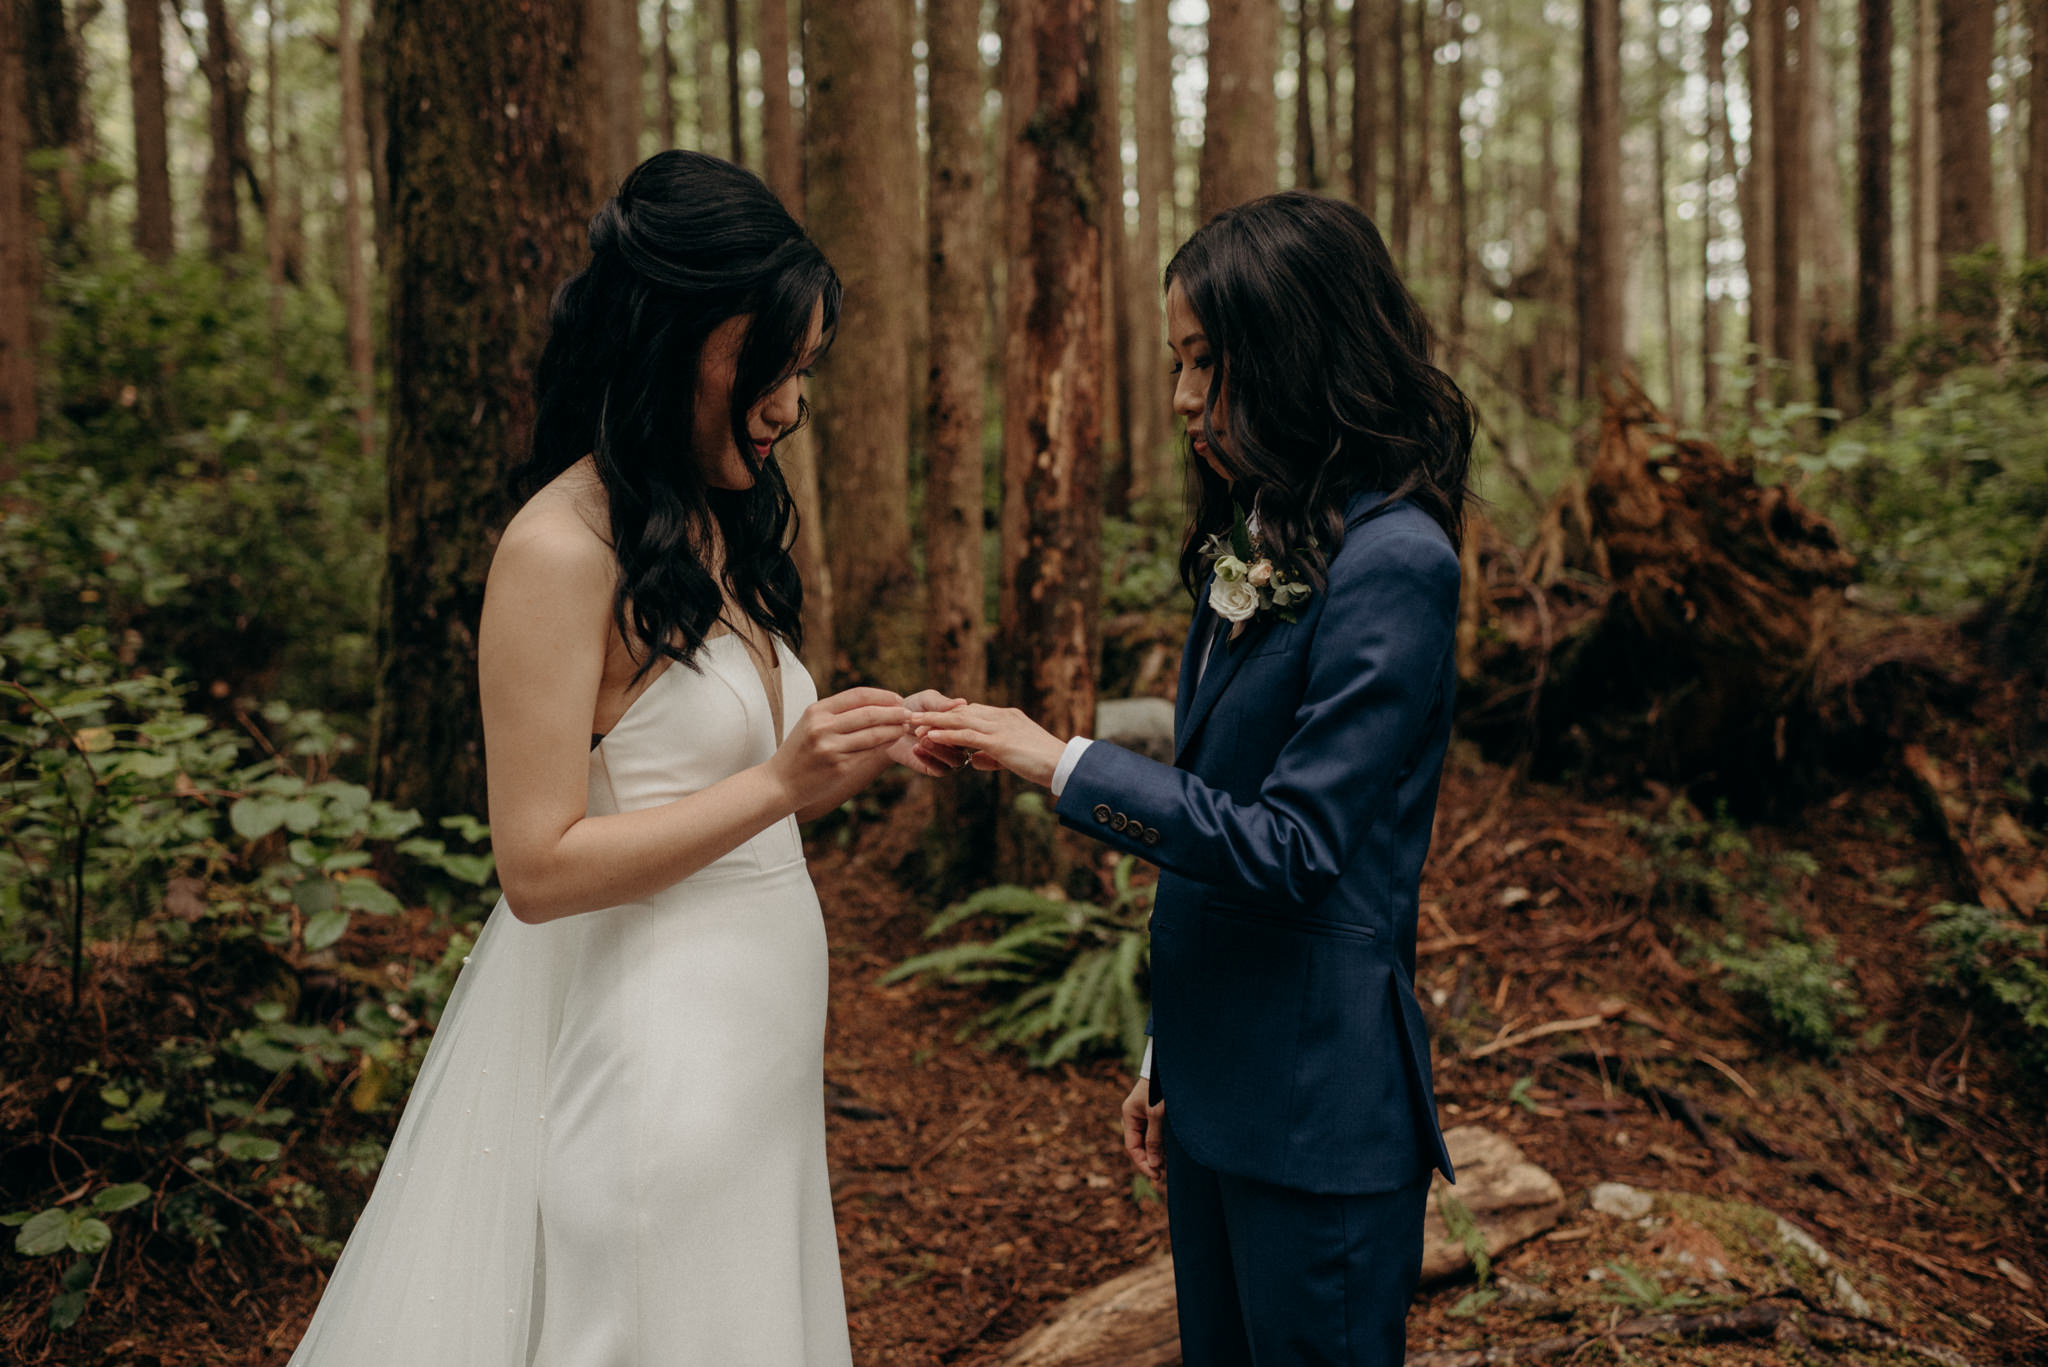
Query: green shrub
(1801,989)
(1707,866)
(1997,964)
(1071,974)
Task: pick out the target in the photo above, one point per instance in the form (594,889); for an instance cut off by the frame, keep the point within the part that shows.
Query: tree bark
(153,232)
(57,113)
(490,180)
(1460,237)
(667,129)
(955,653)
(1109,176)
(1760,206)
(1151,417)
(863,208)
(1602,263)
(1052,515)
(1720,161)
(1365,109)
(734,121)
(1964,219)
(1667,298)
(2034,194)
(1926,203)
(355,277)
(710,106)
(1397,128)
(1828,316)
(1240,135)
(1422,198)
(222,211)
(1873,195)
(782,168)
(1307,175)
(1326,32)
(18,266)
(611,99)
(1790,189)
(273,209)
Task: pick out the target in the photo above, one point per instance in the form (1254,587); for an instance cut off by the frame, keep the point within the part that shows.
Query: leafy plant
(1999,964)
(1642,1292)
(1711,865)
(1802,990)
(1461,1225)
(1071,974)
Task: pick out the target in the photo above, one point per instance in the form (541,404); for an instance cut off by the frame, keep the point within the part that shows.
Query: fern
(1070,977)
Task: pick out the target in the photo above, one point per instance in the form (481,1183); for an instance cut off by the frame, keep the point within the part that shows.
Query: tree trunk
(955,655)
(1397,127)
(735,122)
(1927,164)
(1326,32)
(611,100)
(710,105)
(2034,194)
(1240,136)
(1307,175)
(1964,223)
(1151,417)
(490,203)
(863,208)
(1667,299)
(1365,109)
(667,131)
(1760,206)
(1829,310)
(376,131)
(782,168)
(57,115)
(1422,198)
(356,277)
(1873,195)
(1602,263)
(1790,190)
(273,209)
(1109,176)
(1720,161)
(18,266)
(223,216)
(153,232)
(1052,512)
(1460,238)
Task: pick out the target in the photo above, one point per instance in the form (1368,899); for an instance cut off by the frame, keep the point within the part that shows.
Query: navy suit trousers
(1268,1276)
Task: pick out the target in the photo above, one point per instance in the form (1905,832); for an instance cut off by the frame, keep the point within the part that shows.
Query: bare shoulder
(554,565)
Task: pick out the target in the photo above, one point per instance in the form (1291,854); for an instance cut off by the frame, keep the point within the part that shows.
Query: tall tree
(668,132)
(1964,219)
(153,231)
(735,125)
(1151,414)
(863,207)
(1422,114)
(1365,108)
(490,198)
(1759,181)
(1399,204)
(1459,239)
(1873,193)
(611,100)
(955,654)
(1796,49)
(1720,162)
(703,51)
(1109,175)
(1326,35)
(18,274)
(1307,173)
(1240,132)
(355,275)
(1602,261)
(1052,512)
(1667,296)
(2034,193)
(54,73)
(1924,203)
(781,167)
(222,211)
(274,208)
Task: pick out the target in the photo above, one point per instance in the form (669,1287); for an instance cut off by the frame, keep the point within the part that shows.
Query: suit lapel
(1225,657)
(1184,693)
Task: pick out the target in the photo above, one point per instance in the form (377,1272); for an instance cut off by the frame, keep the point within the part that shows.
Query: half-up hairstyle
(688,242)
(1323,356)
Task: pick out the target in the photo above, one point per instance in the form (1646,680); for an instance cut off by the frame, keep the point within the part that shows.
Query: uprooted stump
(1502,1199)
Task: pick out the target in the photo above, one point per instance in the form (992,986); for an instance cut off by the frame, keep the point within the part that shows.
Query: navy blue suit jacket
(1290,832)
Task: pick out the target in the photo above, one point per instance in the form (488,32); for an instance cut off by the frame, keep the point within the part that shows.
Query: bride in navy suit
(1286,1098)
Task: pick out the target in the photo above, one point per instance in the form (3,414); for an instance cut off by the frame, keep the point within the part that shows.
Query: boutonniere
(1249,582)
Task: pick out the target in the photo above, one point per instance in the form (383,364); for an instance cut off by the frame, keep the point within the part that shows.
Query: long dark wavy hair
(688,242)
(1324,357)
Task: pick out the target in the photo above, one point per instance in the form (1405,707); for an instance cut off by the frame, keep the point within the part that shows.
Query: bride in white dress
(614,1154)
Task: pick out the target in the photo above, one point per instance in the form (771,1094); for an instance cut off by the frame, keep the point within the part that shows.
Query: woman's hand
(912,752)
(1144,1131)
(837,745)
(998,736)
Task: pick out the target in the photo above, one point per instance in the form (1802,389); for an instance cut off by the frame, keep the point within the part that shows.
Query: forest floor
(975,1193)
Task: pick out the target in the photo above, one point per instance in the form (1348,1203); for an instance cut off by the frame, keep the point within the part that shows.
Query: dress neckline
(763,677)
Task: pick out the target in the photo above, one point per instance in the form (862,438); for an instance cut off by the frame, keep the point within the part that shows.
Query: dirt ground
(976,1194)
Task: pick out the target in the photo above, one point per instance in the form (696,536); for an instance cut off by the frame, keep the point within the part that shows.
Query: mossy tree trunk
(490,190)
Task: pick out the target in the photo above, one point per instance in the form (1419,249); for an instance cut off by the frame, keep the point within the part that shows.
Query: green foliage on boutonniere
(1249,581)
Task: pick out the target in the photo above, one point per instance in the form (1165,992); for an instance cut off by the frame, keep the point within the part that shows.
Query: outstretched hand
(926,757)
(999,737)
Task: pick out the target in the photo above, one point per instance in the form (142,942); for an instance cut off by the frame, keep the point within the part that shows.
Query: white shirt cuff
(1068,759)
(1145,1068)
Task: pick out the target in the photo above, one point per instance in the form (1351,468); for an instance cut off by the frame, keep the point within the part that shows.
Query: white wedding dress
(614,1154)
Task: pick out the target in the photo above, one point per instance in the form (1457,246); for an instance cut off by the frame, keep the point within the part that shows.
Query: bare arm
(546,626)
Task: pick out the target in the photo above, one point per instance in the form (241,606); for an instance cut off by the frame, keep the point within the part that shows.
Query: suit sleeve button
(1151,835)
(1102,812)
(1119,822)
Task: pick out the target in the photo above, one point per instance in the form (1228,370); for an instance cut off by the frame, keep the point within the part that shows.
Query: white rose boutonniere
(1249,581)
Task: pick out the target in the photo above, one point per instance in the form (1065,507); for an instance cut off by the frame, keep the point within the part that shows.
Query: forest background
(1752,299)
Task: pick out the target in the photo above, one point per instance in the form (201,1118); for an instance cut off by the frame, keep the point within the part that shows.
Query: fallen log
(1131,1321)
